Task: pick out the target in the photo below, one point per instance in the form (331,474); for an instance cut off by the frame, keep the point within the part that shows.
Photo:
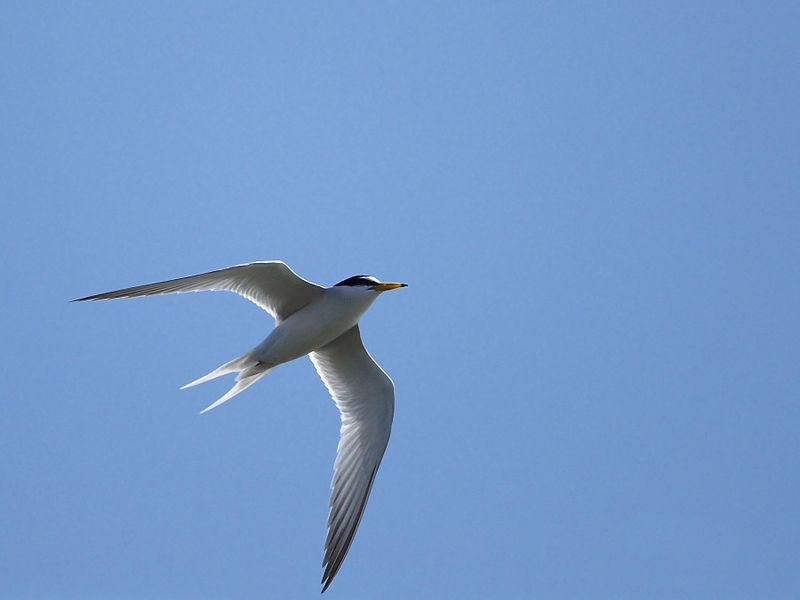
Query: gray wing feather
(364,395)
(271,285)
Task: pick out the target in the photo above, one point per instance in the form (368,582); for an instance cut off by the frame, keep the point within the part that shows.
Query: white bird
(323,323)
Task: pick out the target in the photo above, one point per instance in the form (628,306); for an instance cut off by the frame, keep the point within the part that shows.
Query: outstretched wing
(364,395)
(272,285)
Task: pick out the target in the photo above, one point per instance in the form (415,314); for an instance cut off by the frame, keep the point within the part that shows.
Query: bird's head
(368,282)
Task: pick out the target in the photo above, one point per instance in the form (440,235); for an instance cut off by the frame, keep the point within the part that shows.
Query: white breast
(321,322)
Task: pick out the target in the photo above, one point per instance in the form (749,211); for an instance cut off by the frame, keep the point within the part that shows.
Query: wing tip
(327,578)
(329,571)
(101,296)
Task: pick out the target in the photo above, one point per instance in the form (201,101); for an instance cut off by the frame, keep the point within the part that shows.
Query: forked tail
(250,370)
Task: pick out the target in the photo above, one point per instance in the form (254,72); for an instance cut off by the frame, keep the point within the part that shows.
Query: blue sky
(596,361)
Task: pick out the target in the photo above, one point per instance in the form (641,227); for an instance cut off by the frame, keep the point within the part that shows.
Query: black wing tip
(106,296)
(331,570)
(328,577)
(92,297)
(327,580)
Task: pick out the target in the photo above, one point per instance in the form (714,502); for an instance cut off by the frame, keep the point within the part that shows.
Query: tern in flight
(323,323)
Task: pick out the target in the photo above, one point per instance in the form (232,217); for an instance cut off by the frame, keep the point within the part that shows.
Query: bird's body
(335,311)
(322,323)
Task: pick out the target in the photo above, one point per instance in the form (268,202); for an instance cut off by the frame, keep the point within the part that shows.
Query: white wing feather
(271,285)
(364,395)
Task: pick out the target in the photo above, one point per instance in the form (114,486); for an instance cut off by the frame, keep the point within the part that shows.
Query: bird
(321,322)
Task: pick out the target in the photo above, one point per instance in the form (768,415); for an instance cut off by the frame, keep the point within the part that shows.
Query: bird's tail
(249,371)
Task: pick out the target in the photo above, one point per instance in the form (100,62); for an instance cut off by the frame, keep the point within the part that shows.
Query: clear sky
(596,206)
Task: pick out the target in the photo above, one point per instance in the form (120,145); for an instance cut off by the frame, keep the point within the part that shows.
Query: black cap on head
(368,280)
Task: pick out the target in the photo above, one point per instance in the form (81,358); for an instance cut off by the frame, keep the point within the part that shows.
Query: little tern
(322,323)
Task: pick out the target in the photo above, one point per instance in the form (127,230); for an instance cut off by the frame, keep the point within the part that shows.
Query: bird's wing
(364,395)
(272,285)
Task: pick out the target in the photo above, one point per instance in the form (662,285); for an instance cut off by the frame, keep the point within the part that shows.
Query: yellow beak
(383,287)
